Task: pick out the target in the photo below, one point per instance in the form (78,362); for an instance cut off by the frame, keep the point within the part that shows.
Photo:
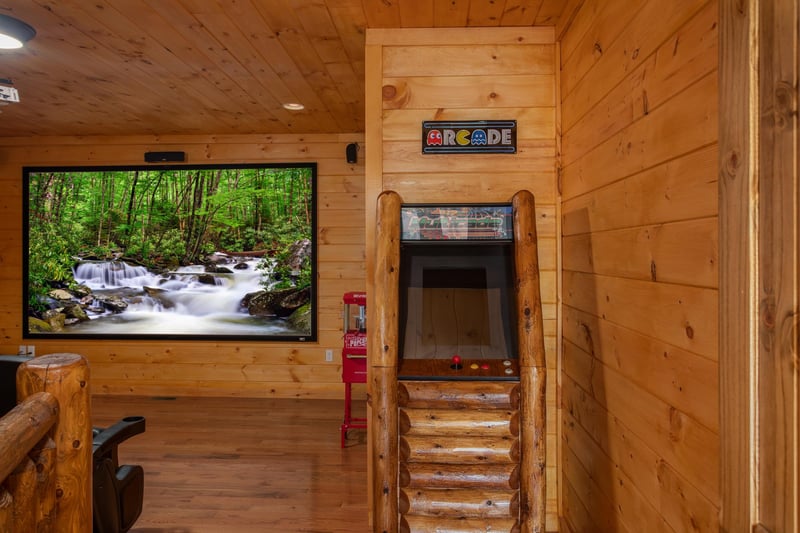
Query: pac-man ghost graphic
(434,138)
(478,138)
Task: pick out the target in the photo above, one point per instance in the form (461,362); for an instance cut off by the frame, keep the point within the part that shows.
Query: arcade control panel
(458,369)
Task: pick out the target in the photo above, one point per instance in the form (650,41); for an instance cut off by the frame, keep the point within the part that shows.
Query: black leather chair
(8,381)
(118,490)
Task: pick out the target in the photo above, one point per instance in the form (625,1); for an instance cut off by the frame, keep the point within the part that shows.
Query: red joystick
(456,362)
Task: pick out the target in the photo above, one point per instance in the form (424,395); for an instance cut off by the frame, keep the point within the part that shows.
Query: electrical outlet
(8,94)
(32,350)
(329,355)
(22,350)
(27,349)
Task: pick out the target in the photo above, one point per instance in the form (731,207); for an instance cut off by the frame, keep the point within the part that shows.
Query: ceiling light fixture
(14,33)
(292,106)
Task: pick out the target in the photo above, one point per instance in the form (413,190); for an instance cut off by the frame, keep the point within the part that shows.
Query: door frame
(758,251)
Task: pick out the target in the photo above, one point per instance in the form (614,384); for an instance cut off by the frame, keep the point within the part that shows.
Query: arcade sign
(469,136)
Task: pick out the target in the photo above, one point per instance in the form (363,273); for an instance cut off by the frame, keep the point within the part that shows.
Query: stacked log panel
(459,456)
(205,368)
(469,74)
(640,429)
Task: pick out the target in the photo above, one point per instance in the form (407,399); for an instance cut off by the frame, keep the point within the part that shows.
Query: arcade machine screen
(457,300)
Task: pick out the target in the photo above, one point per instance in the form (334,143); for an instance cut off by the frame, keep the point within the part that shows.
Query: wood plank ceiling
(128,67)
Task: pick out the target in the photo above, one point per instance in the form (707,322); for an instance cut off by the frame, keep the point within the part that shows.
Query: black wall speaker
(352,153)
(164,157)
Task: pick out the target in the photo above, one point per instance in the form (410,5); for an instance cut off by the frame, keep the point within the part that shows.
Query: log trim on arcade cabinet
(412,490)
(533,371)
(382,353)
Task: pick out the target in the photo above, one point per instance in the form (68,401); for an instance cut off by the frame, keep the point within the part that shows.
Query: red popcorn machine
(354,354)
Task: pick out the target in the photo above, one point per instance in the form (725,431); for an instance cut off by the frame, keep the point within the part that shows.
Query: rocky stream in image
(223,297)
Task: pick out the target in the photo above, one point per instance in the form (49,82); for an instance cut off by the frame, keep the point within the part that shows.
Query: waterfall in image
(113,275)
(182,302)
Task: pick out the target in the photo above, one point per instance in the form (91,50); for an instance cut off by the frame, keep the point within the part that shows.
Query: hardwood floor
(242,465)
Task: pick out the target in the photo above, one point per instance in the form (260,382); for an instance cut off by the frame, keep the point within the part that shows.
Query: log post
(66,376)
(6,509)
(44,456)
(532,364)
(383,352)
(22,484)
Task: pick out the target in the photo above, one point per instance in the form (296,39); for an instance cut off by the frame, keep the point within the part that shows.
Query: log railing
(46,449)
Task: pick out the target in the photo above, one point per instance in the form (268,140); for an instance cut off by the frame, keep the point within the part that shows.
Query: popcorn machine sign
(470,136)
(355,340)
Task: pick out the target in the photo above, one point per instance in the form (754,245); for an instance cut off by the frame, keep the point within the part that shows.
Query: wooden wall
(242,368)
(470,74)
(640,429)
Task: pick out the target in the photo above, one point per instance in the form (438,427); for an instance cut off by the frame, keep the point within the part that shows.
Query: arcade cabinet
(457,368)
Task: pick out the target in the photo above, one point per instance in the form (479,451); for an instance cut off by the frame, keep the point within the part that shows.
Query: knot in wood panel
(388,92)
(785,105)
(675,425)
(395,96)
(732,163)
(789,338)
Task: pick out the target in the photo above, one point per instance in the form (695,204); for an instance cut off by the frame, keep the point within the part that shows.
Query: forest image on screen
(177,251)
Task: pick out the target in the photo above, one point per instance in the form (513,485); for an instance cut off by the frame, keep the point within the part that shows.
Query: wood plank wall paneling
(639,383)
(470,74)
(190,368)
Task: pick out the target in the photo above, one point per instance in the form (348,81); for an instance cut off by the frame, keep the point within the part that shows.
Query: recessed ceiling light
(293,106)
(14,33)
